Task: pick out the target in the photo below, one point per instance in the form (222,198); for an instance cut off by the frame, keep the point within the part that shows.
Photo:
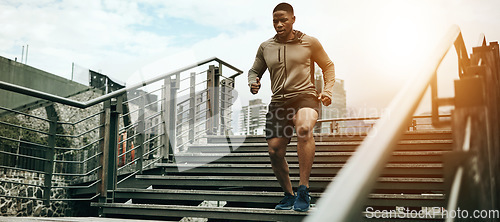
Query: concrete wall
(27,76)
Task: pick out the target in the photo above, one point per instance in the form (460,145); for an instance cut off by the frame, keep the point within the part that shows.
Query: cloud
(81,31)
(223,15)
(122,37)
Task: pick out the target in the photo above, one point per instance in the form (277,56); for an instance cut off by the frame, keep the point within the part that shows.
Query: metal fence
(363,125)
(96,144)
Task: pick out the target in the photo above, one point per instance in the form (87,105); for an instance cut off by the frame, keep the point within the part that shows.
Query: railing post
(140,133)
(101,186)
(109,157)
(226,87)
(213,100)
(192,106)
(168,116)
(49,165)
(434,99)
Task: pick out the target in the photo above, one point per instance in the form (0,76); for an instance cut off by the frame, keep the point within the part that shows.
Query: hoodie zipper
(286,73)
(279,54)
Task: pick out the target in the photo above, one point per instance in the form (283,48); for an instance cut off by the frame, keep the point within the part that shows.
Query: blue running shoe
(303,199)
(286,203)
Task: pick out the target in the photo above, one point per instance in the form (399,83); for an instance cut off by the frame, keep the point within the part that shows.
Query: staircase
(237,183)
(240,185)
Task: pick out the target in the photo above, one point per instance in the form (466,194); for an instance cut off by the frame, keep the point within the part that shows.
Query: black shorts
(279,118)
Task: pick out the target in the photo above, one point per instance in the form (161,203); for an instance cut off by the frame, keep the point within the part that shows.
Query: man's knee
(304,122)
(304,132)
(273,152)
(276,147)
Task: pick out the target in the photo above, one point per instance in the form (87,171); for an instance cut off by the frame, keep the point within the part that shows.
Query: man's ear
(293,19)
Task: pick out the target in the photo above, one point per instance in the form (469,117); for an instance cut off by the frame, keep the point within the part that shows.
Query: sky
(377,46)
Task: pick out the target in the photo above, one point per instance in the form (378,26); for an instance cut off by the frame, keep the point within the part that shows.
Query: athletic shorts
(279,118)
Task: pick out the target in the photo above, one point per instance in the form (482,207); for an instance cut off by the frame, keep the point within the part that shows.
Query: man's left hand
(325,99)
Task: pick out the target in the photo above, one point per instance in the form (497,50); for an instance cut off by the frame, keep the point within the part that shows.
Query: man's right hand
(254,88)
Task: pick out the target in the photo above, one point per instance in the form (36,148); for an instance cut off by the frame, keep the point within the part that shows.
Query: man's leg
(304,121)
(277,151)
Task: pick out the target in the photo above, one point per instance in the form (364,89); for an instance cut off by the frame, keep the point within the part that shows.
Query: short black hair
(283,7)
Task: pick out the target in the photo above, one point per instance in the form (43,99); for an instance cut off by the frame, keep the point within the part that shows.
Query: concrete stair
(239,184)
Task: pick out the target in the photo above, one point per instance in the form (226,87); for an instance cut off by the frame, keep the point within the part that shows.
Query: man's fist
(254,88)
(325,99)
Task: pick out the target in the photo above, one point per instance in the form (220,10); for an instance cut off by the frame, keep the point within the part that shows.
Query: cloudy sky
(376,45)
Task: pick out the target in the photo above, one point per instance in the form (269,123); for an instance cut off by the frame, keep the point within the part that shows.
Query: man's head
(283,20)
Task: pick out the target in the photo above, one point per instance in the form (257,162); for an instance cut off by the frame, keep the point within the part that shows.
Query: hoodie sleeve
(319,56)
(259,66)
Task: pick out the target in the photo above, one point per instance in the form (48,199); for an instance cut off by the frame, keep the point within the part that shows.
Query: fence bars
(147,134)
(49,164)
(475,159)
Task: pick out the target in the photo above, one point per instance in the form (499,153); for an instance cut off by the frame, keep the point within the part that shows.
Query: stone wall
(22,191)
(30,204)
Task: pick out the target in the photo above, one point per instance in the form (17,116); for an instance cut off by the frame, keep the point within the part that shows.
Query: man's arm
(319,56)
(255,73)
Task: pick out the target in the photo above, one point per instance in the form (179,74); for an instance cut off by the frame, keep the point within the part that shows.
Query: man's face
(283,24)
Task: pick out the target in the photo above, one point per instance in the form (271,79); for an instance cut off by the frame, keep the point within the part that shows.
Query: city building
(338,108)
(252,120)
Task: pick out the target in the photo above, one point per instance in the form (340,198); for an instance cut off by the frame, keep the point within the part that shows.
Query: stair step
(320,157)
(407,200)
(435,169)
(321,137)
(262,138)
(229,213)
(407,145)
(251,182)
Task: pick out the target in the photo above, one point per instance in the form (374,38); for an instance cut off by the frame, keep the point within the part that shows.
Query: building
(252,120)
(338,108)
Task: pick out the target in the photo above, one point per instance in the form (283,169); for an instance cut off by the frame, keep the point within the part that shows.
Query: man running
(289,56)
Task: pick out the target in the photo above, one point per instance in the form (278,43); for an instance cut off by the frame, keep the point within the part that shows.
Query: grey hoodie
(291,66)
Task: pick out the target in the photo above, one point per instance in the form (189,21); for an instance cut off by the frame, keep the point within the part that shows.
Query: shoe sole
(281,208)
(301,210)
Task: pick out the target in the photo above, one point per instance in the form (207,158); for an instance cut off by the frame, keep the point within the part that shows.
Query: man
(289,56)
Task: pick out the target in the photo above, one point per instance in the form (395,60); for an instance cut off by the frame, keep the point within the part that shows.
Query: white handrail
(344,197)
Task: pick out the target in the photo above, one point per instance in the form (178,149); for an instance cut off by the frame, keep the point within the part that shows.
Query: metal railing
(343,199)
(473,168)
(95,145)
(363,125)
